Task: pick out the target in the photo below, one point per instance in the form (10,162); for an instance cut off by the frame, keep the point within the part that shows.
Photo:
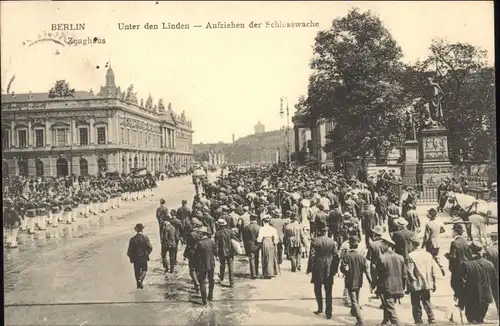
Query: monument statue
(410,133)
(434,105)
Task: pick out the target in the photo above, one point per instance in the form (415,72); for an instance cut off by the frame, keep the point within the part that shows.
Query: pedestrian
(459,252)
(139,249)
(479,286)
(294,238)
(335,223)
(402,238)
(369,220)
(421,281)
(268,237)
(205,265)
(192,240)
(354,265)
(432,235)
(252,248)
(161,215)
(376,248)
(412,218)
(278,223)
(323,265)
(169,241)
(390,281)
(224,250)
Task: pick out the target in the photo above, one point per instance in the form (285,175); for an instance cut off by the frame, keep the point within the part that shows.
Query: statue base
(409,165)
(433,163)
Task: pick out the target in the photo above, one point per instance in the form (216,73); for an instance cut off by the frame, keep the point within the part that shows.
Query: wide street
(80,275)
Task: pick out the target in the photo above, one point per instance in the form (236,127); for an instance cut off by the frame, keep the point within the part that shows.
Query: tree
(61,89)
(356,83)
(469,104)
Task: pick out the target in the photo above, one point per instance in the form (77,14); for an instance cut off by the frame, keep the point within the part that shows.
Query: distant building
(86,133)
(263,147)
(213,154)
(259,128)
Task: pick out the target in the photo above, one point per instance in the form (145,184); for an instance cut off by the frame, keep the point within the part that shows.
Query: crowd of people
(340,225)
(32,204)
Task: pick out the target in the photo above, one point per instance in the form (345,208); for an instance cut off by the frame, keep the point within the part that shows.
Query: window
(61,137)
(39,138)
(5,138)
(122,139)
(84,136)
(101,135)
(22,139)
(128,136)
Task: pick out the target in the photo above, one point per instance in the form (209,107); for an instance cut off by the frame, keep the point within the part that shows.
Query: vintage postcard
(249,163)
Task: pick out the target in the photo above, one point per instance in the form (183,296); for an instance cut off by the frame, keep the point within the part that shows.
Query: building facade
(263,147)
(213,154)
(85,133)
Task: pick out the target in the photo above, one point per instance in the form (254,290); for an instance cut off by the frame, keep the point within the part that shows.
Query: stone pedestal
(434,163)
(409,166)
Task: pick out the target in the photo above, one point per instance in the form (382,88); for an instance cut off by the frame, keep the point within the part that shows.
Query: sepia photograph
(249,163)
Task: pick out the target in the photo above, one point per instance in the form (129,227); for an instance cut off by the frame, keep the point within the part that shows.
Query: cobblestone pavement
(81,275)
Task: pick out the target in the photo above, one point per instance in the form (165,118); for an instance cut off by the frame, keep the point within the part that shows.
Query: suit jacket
(170,236)
(294,235)
(250,233)
(139,248)
(375,250)
(381,205)
(492,255)
(353,266)
(279,225)
(192,240)
(391,275)
(179,228)
(432,232)
(370,220)
(204,256)
(183,212)
(421,274)
(479,282)
(223,245)
(402,239)
(352,207)
(335,220)
(324,260)
(459,253)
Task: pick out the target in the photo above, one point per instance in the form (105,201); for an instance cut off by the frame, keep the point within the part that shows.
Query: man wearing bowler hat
(459,252)
(139,249)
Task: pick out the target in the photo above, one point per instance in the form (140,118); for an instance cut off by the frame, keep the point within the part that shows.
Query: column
(30,134)
(111,134)
(91,131)
(13,134)
(174,141)
(74,132)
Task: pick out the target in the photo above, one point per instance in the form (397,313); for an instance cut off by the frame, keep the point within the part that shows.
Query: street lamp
(287,126)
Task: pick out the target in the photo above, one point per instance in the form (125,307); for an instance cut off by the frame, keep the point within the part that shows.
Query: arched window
(62,167)
(102,164)
(84,167)
(39,167)
(136,163)
(124,164)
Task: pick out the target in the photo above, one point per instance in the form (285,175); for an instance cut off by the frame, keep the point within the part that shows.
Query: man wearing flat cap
(432,235)
(204,261)
(479,286)
(139,249)
(224,249)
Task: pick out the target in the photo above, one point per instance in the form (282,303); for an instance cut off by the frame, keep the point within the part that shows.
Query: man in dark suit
(479,286)
(390,281)
(224,250)
(335,224)
(250,233)
(323,264)
(139,249)
(169,242)
(161,215)
(402,238)
(204,257)
(184,215)
(354,266)
(381,204)
(369,220)
(192,240)
(459,252)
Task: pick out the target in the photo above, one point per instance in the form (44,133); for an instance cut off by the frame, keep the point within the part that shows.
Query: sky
(226,80)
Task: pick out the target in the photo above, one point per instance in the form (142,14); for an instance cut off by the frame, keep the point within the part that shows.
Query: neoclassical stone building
(86,133)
